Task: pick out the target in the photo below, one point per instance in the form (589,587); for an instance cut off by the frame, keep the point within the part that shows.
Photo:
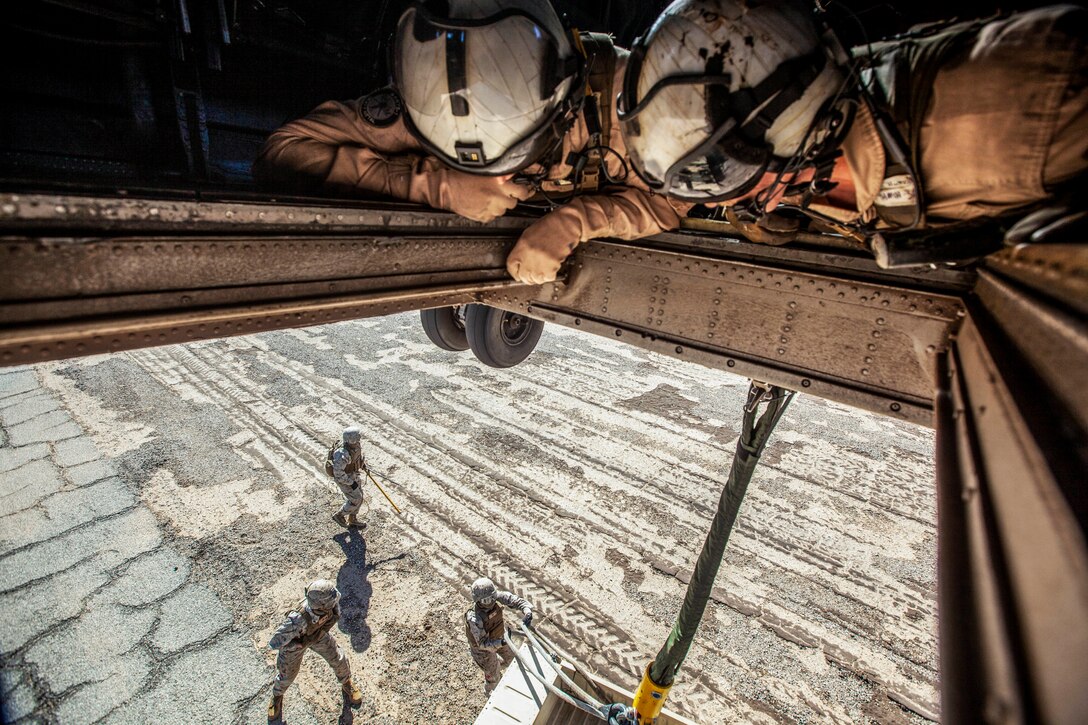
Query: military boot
(352,694)
(355,523)
(275,709)
(339,518)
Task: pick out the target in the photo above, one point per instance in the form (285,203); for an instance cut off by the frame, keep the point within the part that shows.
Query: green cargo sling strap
(755,431)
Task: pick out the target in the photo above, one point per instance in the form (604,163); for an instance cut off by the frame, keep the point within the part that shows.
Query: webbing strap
(755,432)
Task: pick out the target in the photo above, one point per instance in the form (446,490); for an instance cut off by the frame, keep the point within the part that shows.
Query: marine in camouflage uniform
(309,626)
(485,626)
(346,464)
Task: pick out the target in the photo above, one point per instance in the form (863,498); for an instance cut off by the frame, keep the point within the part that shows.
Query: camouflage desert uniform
(485,629)
(346,468)
(302,630)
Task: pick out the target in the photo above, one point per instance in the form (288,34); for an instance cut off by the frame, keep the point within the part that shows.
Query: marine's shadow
(355,589)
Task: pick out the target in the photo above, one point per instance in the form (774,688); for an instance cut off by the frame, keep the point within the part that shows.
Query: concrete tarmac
(160,510)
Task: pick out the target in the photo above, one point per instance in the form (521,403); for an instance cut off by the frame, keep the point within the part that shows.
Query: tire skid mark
(775,622)
(577,390)
(255,414)
(749,524)
(425,445)
(581,621)
(612,644)
(652,426)
(785,624)
(615,653)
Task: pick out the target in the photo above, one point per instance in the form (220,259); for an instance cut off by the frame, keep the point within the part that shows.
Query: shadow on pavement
(355,590)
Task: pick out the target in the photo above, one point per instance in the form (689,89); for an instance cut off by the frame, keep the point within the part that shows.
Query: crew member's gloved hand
(480,198)
(627,214)
(543,246)
(528,620)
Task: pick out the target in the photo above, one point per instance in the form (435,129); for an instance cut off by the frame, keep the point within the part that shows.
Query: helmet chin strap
(818,150)
(827,133)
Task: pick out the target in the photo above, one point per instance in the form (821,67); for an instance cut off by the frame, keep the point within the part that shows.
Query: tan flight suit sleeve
(334,149)
(629,213)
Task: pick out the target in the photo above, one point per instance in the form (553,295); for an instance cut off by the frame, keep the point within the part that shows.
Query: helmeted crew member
(495,110)
(726,100)
(347,465)
(310,626)
(485,626)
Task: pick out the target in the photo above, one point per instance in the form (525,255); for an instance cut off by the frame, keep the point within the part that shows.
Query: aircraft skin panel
(1012,451)
(864,344)
(89,275)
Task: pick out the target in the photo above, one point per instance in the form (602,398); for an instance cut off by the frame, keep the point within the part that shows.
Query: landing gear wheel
(445,326)
(499,338)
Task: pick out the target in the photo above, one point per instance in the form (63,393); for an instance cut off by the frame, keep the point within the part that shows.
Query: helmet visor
(481,93)
(724,167)
(677,150)
(682,131)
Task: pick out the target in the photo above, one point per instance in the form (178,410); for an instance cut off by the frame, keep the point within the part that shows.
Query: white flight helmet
(720,91)
(489,86)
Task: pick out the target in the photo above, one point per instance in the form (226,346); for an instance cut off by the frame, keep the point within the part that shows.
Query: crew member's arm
(513,601)
(335,149)
(340,461)
(288,632)
(627,214)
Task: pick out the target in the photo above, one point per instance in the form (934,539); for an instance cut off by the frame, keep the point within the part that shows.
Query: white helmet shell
(484,82)
(717,88)
(483,588)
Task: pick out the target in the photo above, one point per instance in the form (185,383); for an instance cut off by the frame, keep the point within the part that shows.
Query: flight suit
(1006,123)
(335,148)
(348,465)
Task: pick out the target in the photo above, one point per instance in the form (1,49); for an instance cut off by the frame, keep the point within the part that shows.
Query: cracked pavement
(104,622)
(161,509)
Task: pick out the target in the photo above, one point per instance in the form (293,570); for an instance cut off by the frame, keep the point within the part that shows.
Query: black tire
(499,338)
(445,328)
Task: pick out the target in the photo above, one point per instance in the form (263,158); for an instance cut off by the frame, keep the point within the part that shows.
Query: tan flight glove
(628,214)
(481,198)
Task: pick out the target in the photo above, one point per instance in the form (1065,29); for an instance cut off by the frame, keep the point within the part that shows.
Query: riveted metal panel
(88,274)
(872,343)
(55,268)
(1058,271)
(1010,532)
(41,212)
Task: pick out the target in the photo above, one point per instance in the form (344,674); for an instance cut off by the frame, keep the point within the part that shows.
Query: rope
(533,642)
(565,697)
(555,652)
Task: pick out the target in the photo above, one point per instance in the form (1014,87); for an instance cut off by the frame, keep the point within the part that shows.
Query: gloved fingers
(482,215)
(529,271)
(520,192)
(506,203)
(534,261)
